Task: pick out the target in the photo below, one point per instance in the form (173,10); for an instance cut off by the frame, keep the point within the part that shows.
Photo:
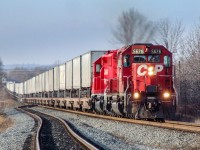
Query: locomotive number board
(138,51)
(151,51)
(155,51)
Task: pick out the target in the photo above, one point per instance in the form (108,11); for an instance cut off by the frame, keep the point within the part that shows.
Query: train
(134,81)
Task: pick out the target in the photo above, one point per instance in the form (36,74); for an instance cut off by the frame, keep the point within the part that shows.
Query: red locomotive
(135,81)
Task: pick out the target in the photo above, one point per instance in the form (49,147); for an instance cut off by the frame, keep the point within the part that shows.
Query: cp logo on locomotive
(143,69)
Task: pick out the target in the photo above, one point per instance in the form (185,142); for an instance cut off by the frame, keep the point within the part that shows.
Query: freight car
(10,86)
(135,81)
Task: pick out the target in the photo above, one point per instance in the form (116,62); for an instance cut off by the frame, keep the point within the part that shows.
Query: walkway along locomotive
(135,81)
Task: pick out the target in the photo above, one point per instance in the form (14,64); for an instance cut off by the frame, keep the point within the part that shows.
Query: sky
(54,31)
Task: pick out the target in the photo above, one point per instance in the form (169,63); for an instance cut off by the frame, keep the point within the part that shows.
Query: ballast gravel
(118,135)
(14,137)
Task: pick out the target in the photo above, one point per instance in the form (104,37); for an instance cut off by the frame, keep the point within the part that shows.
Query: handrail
(127,79)
(125,93)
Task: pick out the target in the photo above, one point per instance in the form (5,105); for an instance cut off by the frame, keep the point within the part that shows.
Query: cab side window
(126,61)
(167,61)
(139,59)
(98,68)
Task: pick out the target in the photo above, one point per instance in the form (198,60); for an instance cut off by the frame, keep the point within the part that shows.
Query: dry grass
(6,101)
(2,119)
(5,123)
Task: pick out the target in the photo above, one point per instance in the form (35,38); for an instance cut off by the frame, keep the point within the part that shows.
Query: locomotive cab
(152,85)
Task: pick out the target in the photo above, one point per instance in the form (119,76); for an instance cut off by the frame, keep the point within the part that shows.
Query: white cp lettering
(158,68)
(140,69)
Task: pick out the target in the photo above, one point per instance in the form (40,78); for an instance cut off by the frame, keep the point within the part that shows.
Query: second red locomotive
(135,81)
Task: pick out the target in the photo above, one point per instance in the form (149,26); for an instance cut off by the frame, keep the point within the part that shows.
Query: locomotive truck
(135,81)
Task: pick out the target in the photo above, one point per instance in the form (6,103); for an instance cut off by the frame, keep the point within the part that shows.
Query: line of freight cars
(71,79)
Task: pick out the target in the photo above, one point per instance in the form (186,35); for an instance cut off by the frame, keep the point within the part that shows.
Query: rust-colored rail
(175,125)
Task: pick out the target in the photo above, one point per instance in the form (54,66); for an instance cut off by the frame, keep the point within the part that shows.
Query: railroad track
(174,125)
(55,133)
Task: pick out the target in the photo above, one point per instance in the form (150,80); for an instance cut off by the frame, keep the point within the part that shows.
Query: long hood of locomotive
(149,74)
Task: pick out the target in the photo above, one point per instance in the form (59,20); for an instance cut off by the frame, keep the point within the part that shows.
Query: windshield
(139,59)
(154,58)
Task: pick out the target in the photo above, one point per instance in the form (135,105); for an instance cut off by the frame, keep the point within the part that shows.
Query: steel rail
(77,137)
(183,123)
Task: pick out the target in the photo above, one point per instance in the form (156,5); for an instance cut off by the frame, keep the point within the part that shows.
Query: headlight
(136,95)
(150,71)
(150,68)
(166,95)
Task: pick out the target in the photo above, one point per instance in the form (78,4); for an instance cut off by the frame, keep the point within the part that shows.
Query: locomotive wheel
(161,120)
(130,116)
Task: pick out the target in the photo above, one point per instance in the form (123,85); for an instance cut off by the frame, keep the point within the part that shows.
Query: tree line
(21,74)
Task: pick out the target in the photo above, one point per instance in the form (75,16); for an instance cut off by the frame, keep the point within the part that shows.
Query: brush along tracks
(175,125)
(55,133)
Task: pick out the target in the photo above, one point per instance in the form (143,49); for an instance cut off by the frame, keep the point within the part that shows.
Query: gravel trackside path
(14,137)
(17,128)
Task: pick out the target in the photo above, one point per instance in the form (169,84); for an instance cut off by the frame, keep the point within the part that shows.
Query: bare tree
(169,34)
(133,27)
(191,53)
(189,72)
